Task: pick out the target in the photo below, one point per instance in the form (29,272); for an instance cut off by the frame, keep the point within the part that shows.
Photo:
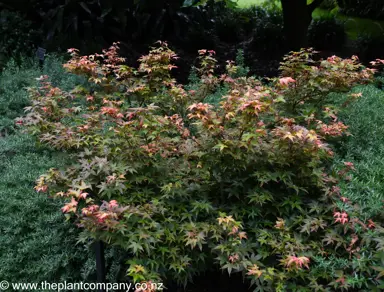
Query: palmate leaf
(260,197)
(82,186)
(379,269)
(220,146)
(312,225)
(333,237)
(202,206)
(136,247)
(380,243)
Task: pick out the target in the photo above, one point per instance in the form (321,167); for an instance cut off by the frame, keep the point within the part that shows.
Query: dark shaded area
(373,9)
(327,35)
(93,25)
(215,281)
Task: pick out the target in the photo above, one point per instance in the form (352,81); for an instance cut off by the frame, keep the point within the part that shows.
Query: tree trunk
(297,17)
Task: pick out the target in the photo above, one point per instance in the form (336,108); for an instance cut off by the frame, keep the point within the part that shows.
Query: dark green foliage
(340,3)
(228,27)
(13,96)
(368,47)
(17,37)
(235,25)
(197,37)
(268,39)
(366,149)
(328,4)
(373,9)
(242,69)
(327,34)
(215,96)
(91,25)
(266,44)
(257,30)
(268,36)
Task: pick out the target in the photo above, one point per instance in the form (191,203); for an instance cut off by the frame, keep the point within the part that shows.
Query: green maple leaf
(82,186)
(135,247)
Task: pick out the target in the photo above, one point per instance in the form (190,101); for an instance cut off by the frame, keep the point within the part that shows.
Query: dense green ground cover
(365,148)
(35,243)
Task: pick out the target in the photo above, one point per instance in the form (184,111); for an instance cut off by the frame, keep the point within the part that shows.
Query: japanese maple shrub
(245,186)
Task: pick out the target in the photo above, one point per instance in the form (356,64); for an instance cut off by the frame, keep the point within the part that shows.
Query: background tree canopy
(188,25)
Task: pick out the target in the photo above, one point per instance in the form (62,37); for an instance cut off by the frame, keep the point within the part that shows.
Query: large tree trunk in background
(297,17)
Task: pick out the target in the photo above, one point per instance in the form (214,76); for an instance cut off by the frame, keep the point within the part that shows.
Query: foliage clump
(246,186)
(17,37)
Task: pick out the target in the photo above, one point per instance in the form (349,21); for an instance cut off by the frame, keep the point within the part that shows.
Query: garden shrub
(246,186)
(248,17)
(241,69)
(327,34)
(213,94)
(272,5)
